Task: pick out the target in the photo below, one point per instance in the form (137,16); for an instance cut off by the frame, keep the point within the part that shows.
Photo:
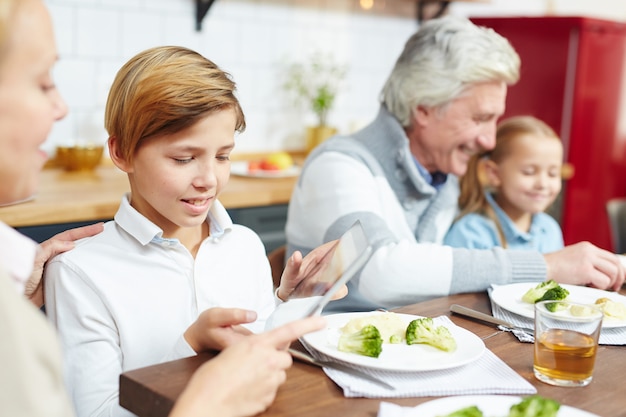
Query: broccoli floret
(471,411)
(423,330)
(395,339)
(533,294)
(366,341)
(554,294)
(555,306)
(535,406)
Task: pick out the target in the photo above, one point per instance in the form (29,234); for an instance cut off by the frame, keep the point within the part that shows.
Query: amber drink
(566,344)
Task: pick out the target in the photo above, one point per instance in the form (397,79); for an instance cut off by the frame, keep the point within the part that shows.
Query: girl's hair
(164,90)
(472,198)
(441,60)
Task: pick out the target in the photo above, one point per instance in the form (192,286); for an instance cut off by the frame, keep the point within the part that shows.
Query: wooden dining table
(308,392)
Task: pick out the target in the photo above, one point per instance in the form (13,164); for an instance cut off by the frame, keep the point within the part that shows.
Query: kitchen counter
(69,197)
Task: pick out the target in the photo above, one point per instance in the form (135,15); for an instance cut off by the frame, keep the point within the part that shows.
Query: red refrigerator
(572,77)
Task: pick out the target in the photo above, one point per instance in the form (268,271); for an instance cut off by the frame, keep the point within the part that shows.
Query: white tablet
(339,265)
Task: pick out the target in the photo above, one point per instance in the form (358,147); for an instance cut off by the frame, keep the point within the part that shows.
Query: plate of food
(439,344)
(275,165)
(509,297)
(492,406)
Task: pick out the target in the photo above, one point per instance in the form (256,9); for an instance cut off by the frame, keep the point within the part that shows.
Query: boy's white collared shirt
(123,299)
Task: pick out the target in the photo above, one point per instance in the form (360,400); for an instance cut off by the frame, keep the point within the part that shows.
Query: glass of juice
(566,342)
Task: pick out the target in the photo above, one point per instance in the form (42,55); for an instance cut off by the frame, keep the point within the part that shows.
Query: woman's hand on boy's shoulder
(59,243)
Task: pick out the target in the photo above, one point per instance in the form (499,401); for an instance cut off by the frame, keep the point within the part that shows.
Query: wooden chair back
(277,263)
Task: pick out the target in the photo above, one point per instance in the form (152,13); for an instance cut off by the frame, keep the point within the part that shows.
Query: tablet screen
(339,265)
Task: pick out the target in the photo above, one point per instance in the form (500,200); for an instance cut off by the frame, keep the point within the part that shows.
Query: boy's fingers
(224,317)
(280,337)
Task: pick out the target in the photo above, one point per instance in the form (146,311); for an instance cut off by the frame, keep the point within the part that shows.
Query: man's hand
(586,264)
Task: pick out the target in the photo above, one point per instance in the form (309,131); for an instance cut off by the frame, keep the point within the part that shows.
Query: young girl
(145,290)
(505,191)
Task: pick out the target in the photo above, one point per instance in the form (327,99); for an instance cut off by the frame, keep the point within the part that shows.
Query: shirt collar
(510,230)
(17,255)
(436,179)
(142,229)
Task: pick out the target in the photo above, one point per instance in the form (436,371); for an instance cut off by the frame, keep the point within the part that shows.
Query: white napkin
(393,410)
(608,336)
(487,375)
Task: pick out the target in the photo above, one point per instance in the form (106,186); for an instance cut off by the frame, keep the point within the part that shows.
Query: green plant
(315,83)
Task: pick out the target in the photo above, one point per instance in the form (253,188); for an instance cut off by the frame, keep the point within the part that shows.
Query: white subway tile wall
(250,40)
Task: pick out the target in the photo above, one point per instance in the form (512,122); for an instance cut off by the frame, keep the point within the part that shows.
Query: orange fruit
(281,160)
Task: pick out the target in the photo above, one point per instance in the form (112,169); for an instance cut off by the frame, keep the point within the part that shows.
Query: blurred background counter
(68,199)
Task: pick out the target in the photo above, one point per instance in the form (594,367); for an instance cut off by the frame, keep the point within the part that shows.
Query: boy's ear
(492,173)
(116,156)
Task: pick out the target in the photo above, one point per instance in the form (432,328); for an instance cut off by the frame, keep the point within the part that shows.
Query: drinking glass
(566,342)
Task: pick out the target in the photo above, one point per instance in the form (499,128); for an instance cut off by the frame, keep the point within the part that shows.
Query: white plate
(398,357)
(509,297)
(491,405)
(241,168)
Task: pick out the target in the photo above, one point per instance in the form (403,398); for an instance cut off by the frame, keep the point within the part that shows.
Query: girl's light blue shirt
(476,231)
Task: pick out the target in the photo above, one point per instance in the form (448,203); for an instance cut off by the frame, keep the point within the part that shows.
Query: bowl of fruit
(274,165)
(79,158)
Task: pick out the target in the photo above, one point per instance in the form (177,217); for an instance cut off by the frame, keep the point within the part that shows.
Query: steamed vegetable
(366,341)
(424,331)
(471,411)
(554,294)
(390,325)
(611,308)
(532,406)
(547,290)
(535,406)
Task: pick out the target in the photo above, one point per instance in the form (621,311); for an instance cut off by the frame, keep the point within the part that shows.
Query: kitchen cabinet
(267,221)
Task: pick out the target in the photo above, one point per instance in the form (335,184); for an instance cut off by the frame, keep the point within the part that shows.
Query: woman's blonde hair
(472,198)
(164,90)
(8,10)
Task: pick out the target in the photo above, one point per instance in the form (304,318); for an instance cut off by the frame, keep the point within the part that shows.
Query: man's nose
(487,136)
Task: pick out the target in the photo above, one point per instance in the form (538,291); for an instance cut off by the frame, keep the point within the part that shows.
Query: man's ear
(422,115)
(491,172)
(116,156)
